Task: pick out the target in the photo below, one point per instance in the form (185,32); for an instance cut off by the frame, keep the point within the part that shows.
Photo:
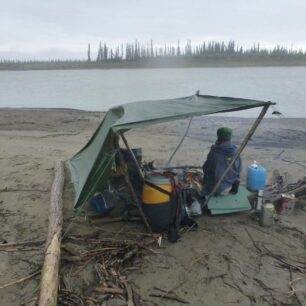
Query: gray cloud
(33,27)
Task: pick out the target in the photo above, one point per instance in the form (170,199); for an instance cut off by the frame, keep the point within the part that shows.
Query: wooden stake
(50,278)
(242,146)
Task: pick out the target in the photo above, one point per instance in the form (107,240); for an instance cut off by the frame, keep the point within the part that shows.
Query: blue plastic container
(256,177)
(100,205)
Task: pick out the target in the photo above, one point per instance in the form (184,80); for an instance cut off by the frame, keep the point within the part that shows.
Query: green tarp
(90,168)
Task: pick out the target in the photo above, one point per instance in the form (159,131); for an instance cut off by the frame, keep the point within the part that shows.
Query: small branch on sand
(98,220)
(293,290)
(264,286)
(21,280)
(69,250)
(83,266)
(129,293)
(67,297)
(169,296)
(21,244)
(22,249)
(253,241)
(295,162)
(6,189)
(60,134)
(210,278)
(106,290)
(279,155)
(283,263)
(292,228)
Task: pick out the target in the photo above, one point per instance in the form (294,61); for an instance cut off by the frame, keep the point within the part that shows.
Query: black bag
(179,216)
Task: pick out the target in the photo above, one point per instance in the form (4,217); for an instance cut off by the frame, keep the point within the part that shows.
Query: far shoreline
(103,112)
(77,65)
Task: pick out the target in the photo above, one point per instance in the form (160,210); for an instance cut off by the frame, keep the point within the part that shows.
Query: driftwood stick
(21,243)
(50,278)
(129,293)
(83,266)
(153,235)
(105,221)
(22,249)
(106,290)
(294,162)
(298,191)
(21,280)
(169,296)
(253,241)
(69,250)
(242,146)
(6,189)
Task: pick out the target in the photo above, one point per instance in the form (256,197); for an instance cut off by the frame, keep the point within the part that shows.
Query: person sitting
(218,159)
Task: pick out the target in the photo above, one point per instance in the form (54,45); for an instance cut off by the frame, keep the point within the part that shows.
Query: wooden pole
(133,156)
(131,188)
(50,277)
(242,146)
(180,143)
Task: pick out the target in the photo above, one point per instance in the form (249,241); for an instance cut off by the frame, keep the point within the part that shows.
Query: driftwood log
(299,191)
(49,277)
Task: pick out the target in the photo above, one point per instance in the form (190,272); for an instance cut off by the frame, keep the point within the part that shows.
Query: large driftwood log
(50,278)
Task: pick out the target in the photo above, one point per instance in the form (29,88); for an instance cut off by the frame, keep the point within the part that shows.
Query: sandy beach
(218,264)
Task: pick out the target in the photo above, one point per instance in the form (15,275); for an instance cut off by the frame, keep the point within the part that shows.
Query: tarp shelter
(91,167)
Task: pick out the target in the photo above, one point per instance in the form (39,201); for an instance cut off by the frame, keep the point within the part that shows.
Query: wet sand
(216,265)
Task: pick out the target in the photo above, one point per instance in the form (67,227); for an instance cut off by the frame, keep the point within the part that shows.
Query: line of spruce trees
(137,51)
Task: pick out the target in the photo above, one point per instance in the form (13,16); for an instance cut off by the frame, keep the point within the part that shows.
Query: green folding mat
(230,203)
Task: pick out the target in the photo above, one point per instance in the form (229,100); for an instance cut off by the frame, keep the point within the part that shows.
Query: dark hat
(224,134)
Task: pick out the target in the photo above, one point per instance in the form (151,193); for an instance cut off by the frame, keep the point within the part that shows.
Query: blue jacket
(218,159)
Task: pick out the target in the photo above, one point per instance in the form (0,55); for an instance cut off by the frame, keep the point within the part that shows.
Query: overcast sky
(63,28)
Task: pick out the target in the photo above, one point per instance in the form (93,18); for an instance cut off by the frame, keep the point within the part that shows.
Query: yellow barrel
(151,195)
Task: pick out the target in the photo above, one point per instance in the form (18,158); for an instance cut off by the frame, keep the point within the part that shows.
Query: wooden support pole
(133,156)
(180,143)
(242,146)
(50,276)
(131,188)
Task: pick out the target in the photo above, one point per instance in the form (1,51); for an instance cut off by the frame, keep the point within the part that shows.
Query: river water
(101,89)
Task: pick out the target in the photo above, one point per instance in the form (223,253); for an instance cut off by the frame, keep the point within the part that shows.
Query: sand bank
(215,265)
